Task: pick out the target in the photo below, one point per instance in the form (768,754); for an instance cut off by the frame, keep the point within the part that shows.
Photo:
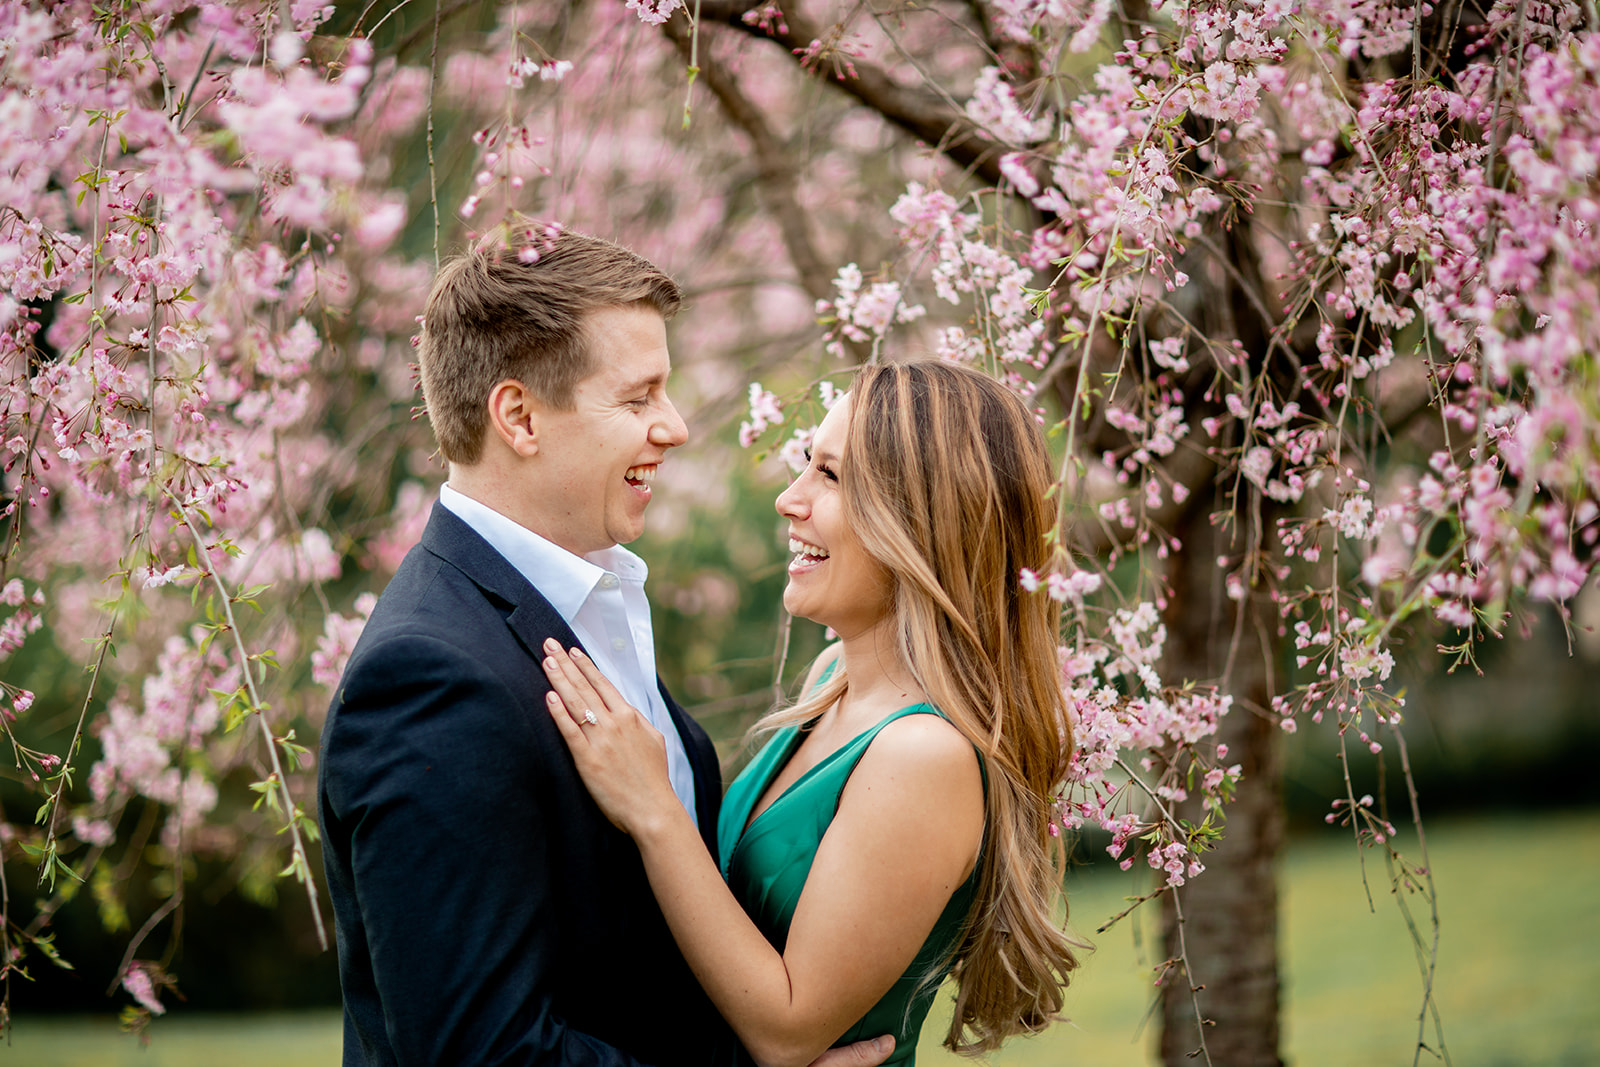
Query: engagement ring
(589,717)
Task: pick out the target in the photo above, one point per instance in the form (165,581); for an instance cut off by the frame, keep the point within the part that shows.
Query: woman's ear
(514,416)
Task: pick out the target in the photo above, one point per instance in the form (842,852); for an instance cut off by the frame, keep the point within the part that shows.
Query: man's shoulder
(433,608)
(434,641)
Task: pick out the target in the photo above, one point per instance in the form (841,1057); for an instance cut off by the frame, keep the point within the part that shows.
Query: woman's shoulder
(919,740)
(919,778)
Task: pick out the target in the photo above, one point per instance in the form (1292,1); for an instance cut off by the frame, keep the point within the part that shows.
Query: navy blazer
(486,912)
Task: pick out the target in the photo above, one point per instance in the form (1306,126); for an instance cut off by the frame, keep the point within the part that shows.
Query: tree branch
(1019,59)
(776,173)
(926,116)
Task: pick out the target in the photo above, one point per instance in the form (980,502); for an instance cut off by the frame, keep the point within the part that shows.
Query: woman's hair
(944,479)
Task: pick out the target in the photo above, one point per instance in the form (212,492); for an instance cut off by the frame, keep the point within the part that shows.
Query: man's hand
(861,1054)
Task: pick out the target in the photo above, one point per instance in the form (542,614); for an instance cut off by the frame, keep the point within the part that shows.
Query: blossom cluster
(1141,747)
(177,183)
(968,264)
(859,314)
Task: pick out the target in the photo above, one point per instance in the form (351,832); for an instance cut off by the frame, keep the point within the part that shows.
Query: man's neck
(494,489)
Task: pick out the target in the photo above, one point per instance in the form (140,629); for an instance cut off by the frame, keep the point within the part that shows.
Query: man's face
(601,456)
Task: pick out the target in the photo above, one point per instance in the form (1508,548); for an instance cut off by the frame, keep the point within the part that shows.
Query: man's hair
(516,309)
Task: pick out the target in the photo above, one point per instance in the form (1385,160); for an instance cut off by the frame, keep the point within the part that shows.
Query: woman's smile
(807,557)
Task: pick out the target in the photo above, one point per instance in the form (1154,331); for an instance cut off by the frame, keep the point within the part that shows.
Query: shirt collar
(566,580)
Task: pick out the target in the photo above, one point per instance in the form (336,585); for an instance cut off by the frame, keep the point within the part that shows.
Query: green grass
(1519,963)
(308,1040)
(1519,912)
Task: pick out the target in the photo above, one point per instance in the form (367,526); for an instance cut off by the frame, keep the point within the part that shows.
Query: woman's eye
(821,468)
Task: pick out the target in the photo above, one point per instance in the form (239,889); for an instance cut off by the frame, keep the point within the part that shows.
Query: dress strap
(827,672)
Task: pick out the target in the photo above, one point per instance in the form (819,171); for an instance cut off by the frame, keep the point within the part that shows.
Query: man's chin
(627,534)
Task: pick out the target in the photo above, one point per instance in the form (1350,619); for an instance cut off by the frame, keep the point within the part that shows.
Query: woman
(894,829)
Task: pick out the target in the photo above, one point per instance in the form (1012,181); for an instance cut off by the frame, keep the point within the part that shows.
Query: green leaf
(236,711)
(297,754)
(61,865)
(45,943)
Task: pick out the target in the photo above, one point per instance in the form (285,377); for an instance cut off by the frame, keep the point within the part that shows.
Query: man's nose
(670,430)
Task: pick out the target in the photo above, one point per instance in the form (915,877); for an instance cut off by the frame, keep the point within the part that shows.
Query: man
(486,912)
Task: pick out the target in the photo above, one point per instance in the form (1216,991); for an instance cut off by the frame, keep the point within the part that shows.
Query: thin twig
(292,813)
(1188,976)
(433,170)
(1430,1004)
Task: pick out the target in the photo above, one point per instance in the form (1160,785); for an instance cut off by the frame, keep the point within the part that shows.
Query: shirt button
(618,643)
(608,581)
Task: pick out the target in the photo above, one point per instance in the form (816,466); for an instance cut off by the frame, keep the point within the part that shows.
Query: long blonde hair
(944,480)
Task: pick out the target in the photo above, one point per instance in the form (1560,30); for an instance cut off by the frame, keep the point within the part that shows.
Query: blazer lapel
(707,768)
(531,617)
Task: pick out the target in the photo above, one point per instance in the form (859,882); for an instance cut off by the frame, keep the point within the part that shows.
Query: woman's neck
(880,679)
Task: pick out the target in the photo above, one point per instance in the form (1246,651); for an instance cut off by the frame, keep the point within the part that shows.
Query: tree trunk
(1229,922)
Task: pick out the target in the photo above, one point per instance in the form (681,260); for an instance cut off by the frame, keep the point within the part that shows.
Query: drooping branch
(777,174)
(927,116)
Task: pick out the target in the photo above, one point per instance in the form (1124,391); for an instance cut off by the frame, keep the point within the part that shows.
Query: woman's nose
(792,503)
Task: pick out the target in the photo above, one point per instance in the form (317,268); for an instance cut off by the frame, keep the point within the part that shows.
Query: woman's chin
(795,604)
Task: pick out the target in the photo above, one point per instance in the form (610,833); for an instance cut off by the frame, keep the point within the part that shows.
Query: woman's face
(832,580)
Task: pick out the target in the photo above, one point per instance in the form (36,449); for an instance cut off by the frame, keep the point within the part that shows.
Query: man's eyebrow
(646,382)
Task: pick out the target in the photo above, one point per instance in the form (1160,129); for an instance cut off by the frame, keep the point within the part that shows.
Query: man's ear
(514,415)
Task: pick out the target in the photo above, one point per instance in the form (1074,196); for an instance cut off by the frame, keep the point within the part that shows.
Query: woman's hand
(622,758)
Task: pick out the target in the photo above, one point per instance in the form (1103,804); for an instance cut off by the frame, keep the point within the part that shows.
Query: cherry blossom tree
(187,228)
(1304,291)
(1310,285)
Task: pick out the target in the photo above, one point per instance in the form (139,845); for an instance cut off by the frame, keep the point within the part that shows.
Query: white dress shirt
(601,596)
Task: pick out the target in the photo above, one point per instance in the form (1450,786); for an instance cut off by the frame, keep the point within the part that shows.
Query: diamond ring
(589,717)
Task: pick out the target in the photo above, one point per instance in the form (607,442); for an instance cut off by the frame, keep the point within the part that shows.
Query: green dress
(766,864)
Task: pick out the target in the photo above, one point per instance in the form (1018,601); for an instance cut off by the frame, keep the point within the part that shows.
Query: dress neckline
(791,738)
